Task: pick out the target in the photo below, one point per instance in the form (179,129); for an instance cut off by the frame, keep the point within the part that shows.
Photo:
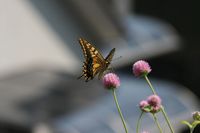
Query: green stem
(150,85)
(139,122)
(167,119)
(162,109)
(191,130)
(119,110)
(157,123)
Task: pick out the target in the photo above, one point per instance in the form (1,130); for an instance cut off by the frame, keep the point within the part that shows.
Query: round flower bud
(111,81)
(143,104)
(196,115)
(141,68)
(155,109)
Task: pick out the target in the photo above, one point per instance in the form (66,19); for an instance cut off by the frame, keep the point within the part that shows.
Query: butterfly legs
(110,69)
(102,73)
(86,79)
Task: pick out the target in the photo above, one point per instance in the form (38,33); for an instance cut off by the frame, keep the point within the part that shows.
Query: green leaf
(147,108)
(187,123)
(195,123)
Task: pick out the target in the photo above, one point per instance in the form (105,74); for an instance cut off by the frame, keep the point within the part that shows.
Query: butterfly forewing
(89,49)
(110,55)
(94,62)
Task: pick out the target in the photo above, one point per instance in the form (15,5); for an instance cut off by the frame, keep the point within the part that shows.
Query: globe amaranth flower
(143,104)
(196,115)
(155,102)
(111,81)
(141,68)
(155,109)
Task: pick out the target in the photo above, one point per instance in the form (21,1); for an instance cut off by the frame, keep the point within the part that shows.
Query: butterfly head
(107,63)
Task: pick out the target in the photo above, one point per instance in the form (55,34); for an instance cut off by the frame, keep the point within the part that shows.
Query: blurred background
(41,60)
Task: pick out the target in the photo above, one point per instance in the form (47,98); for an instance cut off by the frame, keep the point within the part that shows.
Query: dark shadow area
(182,66)
(7,127)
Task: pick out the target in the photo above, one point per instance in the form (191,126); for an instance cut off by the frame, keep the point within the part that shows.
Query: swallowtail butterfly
(95,63)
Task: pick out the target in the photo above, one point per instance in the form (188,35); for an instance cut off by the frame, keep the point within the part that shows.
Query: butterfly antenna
(117,58)
(111,69)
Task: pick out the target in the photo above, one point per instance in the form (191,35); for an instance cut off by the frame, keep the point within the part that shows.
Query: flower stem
(150,85)
(157,123)
(119,110)
(162,109)
(191,130)
(139,122)
(167,119)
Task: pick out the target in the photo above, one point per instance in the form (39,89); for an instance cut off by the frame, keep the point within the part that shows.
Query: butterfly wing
(110,56)
(94,61)
(108,61)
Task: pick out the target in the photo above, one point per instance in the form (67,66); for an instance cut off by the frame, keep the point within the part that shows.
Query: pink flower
(143,104)
(155,109)
(155,102)
(111,81)
(141,68)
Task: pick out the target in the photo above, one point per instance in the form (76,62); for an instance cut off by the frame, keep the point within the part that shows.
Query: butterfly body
(94,63)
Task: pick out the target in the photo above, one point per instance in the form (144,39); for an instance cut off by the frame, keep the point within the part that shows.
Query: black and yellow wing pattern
(94,62)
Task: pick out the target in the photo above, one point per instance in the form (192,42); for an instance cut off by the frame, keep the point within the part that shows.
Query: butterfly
(95,63)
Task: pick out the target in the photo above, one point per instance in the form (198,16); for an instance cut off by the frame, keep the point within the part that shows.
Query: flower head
(155,109)
(141,68)
(111,81)
(155,102)
(143,104)
(196,115)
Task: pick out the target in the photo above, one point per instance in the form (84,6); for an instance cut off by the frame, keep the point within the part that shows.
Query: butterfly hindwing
(94,62)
